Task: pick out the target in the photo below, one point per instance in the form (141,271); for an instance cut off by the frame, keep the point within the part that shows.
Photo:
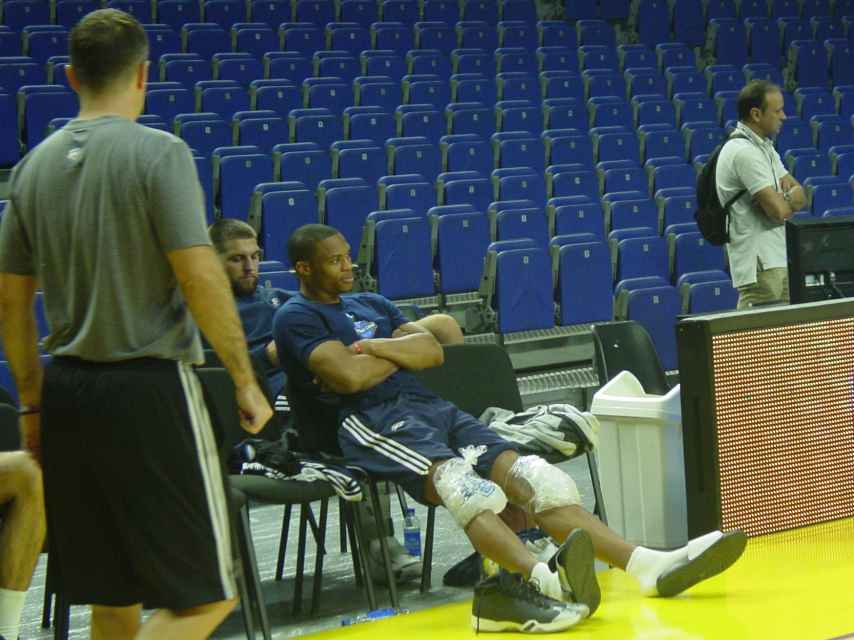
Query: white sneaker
(403,566)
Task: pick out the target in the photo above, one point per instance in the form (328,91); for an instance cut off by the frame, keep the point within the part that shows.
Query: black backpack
(712,217)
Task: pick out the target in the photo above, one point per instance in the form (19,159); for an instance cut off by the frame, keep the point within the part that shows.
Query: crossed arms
(777,206)
(367,363)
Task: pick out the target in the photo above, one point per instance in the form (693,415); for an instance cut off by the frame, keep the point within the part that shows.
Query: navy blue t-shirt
(300,326)
(256,315)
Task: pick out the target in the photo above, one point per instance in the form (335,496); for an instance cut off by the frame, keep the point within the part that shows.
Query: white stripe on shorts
(208,459)
(389,448)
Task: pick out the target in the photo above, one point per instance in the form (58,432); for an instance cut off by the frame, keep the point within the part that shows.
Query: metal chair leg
(427,562)
(300,574)
(392,585)
(283,542)
(320,539)
(254,581)
(347,516)
(359,535)
(342,525)
(62,618)
(48,596)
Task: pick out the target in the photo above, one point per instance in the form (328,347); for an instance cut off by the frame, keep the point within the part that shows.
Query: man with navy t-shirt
(349,357)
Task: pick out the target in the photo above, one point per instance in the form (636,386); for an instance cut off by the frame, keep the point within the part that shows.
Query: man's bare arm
(413,351)
(20,339)
(774,205)
(208,294)
(345,372)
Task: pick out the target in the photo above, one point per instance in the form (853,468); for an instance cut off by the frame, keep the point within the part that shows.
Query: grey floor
(340,597)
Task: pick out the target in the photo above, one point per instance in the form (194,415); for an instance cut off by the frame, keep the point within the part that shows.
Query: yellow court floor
(796,585)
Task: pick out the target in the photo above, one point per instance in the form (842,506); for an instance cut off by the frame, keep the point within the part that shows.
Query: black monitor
(821,258)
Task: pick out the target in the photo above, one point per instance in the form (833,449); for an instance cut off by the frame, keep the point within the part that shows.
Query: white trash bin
(641,462)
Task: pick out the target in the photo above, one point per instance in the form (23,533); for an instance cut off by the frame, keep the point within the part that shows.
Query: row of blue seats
(17,13)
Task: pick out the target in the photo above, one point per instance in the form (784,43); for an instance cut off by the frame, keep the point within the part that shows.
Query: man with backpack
(759,194)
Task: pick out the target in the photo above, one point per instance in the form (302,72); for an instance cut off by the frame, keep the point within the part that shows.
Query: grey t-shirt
(93,210)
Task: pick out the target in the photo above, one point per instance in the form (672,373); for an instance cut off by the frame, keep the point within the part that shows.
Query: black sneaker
(718,557)
(574,565)
(508,602)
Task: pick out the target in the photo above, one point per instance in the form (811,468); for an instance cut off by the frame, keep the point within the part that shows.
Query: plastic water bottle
(370,616)
(412,533)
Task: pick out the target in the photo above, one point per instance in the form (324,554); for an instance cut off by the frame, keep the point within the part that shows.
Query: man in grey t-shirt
(107,216)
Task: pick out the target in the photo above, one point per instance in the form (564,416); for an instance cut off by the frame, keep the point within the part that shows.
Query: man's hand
(255,411)
(272,354)
(31,434)
(787,182)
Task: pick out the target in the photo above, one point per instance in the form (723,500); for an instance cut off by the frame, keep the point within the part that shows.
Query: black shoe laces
(527,590)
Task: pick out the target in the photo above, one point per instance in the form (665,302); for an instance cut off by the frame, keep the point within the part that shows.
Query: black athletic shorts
(135,491)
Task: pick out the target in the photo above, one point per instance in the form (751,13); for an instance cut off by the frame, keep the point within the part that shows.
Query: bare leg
(490,536)
(187,624)
(559,522)
(23,531)
(115,623)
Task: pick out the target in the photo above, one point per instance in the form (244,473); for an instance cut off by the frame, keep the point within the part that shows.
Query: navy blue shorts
(398,440)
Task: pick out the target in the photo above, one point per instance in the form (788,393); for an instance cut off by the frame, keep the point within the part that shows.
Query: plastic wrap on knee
(549,487)
(464,493)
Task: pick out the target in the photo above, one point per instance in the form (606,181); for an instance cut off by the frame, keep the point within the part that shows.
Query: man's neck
(323,297)
(756,131)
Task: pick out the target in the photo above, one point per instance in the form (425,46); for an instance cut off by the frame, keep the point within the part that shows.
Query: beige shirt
(755,239)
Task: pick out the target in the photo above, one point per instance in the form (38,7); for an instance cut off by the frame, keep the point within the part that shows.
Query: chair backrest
(461,378)
(626,346)
(10,436)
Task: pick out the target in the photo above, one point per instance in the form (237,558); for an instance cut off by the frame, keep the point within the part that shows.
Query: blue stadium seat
(205,39)
(674,54)
(676,208)
(392,35)
(9,147)
(282,213)
(518,115)
(287,65)
(615,143)
(564,113)
(519,151)
(728,39)
(235,178)
(841,62)
(709,297)
(795,134)
(336,64)
(653,22)
(38,105)
(205,173)
(524,10)
(763,39)
(470,117)
(595,32)
(791,29)
(466,152)
(419,196)
(603,82)
(314,125)
(830,131)
(644,81)
(516,59)
(264,131)
(471,61)
(68,13)
(814,101)
(205,135)
(368,123)
(808,165)
(167,103)
(383,63)
(346,207)
(368,163)
(271,12)
(435,35)
(723,77)
(519,186)
(176,13)
(241,70)
(574,183)
(684,80)
(404,11)
(465,190)
(413,155)
(461,242)
(609,111)
(809,62)
(327,93)
(660,141)
(225,13)
(597,56)
(362,12)
(255,41)
(303,162)
(45,43)
(561,84)
(635,55)
(555,58)
(223,100)
(425,89)
(275,95)
(674,175)
(656,309)
(472,87)
(614,9)
(517,86)
(440,10)
(689,252)
(694,107)
(517,33)
(476,34)
(428,61)
(625,214)
(318,12)
(300,37)
(485,10)
(589,298)
(701,138)
(653,111)
(377,91)
(349,37)
(641,257)
(689,24)
(403,265)
(523,296)
(827,193)
(573,215)
(18,14)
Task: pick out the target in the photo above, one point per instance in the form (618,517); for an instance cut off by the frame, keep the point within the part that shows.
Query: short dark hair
(104,46)
(226,229)
(754,96)
(302,243)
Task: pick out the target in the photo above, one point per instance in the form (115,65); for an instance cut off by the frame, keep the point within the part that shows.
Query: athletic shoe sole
(576,570)
(717,558)
(562,622)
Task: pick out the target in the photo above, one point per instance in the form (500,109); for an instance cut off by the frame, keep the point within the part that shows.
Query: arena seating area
(544,169)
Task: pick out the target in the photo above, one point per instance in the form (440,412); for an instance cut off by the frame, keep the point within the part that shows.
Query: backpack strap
(732,200)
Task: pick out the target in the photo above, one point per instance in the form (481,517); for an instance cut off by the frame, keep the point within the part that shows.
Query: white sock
(646,565)
(11,605)
(547,581)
